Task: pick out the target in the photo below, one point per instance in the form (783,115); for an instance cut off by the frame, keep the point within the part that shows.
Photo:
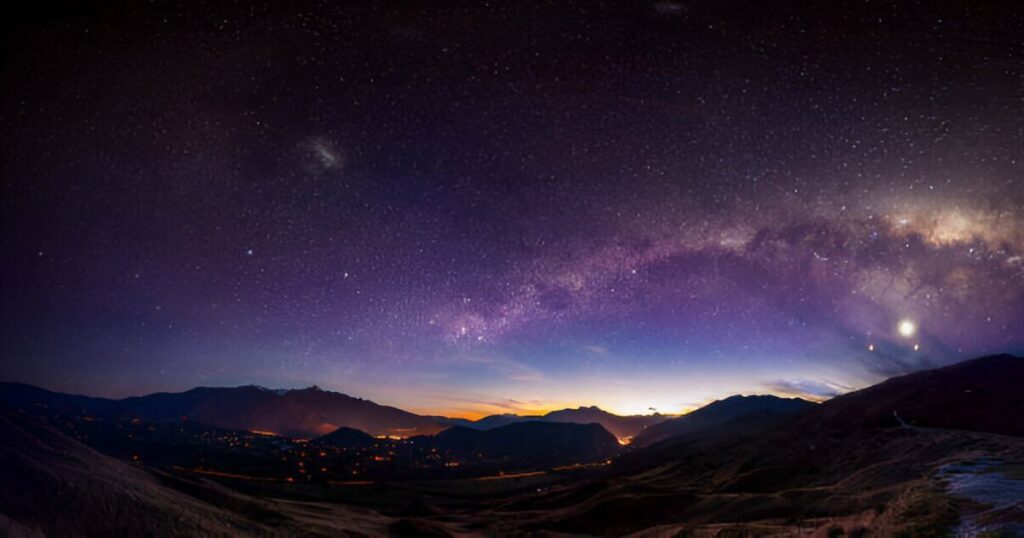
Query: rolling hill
(751,409)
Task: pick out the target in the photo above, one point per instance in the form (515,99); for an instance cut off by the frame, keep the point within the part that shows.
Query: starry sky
(510,206)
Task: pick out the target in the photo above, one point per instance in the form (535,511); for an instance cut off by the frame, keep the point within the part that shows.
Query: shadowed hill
(982,395)
(751,409)
(348,438)
(531,443)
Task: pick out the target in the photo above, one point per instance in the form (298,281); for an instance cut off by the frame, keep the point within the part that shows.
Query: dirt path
(1001,495)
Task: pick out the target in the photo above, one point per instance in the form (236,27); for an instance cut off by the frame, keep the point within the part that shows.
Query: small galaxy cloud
(320,155)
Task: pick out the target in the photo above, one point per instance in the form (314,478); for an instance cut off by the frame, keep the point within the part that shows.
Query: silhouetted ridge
(755,411)
(618,425)
(309,412)
(981,394)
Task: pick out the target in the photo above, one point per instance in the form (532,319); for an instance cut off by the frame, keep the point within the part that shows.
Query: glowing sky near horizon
(511,208)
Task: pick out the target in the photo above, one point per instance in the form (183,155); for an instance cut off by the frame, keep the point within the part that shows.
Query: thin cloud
(807,389)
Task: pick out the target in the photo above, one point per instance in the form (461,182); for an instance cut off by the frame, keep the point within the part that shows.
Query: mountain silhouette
(348,438)
(983,395)
(309,412)
(620,426)
(751,409)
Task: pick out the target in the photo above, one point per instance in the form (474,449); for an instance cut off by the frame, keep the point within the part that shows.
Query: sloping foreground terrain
(847,467)
(52,485)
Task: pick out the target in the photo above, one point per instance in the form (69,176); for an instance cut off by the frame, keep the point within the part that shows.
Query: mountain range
(622,427)
(309,412)
(925,454)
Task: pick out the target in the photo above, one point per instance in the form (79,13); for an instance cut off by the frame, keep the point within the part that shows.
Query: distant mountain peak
(756,397)
(308,412)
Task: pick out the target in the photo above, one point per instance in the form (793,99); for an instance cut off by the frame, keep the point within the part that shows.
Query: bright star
(906,328)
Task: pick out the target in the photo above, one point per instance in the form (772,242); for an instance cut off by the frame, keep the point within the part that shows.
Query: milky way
(482,208)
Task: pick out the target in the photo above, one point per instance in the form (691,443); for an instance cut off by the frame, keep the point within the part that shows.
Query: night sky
(510,207)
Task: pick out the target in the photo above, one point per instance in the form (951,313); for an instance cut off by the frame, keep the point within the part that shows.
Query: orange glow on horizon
(485,410)
(490,410)
(622,403)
